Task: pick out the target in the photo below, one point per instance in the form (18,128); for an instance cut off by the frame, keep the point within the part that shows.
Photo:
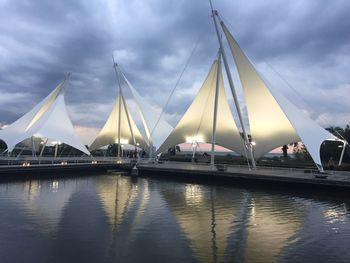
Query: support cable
(176,84)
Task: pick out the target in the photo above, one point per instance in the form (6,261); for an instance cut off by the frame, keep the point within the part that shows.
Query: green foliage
(340,132)
(300,152)
(2,146)
(333,149)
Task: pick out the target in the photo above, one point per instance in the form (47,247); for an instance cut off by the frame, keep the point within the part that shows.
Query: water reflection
(117,195)
(124,202)
(336,214)
(122,199)
(119,219)
(223,225)
(82,233)
(205,220)
(42,200)
(272,224)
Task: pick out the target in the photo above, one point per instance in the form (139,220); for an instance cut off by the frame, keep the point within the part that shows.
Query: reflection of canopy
(274,121)
(117,195)
(246,226)
(43,200)
(49,119)
(269,232)
(206,224)
(119,120)
(197,123)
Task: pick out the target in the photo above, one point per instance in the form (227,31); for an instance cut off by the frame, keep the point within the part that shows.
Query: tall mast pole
(229,77)
(145,125)
(213,138)
(128,119)
(120,104)
(65,82)
(345,143)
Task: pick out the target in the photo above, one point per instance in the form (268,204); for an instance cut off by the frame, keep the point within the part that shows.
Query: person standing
(331,164)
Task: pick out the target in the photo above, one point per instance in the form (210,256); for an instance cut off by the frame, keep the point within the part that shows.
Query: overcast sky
(301,47)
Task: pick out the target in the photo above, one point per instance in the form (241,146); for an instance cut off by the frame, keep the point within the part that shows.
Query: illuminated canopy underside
(109,133)
(273,120)
(49,119)
(197,123)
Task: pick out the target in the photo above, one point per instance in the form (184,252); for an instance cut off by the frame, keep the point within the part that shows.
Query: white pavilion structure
(48,120)
(120,127)
(273,120)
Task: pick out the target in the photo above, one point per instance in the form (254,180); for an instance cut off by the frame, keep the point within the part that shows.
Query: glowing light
(197,139)
(56,142)
(64,163)
(122,141)
(55,184)
(94,162)
(253,143)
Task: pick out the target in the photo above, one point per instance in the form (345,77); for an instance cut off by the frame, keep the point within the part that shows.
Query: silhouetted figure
(285,151)
(331,164)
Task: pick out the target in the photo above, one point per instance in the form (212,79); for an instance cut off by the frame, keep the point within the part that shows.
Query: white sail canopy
(129,133)
(273,120)
(49,119)
(156,130)
(197,123)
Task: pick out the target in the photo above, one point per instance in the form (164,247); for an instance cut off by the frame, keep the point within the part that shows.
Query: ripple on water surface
(116,218)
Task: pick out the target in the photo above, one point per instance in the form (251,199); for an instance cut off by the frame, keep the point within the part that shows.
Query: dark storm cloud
(307,41)
(313,28)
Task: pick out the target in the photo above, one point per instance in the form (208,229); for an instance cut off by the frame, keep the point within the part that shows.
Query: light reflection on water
(120,219)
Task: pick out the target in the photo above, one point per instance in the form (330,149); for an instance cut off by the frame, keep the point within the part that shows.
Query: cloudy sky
(301,47)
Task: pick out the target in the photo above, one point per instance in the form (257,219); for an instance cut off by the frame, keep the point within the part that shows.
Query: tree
(347,133)
(3,146)
(333,149)
(300,152)
(340,132)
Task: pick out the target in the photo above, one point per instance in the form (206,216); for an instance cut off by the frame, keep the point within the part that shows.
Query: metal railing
(32,160)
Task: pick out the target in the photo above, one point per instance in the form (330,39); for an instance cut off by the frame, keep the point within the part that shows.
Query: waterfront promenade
(338,179)
(27,166)
(101,165)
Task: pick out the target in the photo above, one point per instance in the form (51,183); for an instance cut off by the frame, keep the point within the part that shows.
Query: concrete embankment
(59,170)
(199,172)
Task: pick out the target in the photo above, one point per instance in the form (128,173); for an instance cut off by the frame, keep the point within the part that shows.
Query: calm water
(117,219)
